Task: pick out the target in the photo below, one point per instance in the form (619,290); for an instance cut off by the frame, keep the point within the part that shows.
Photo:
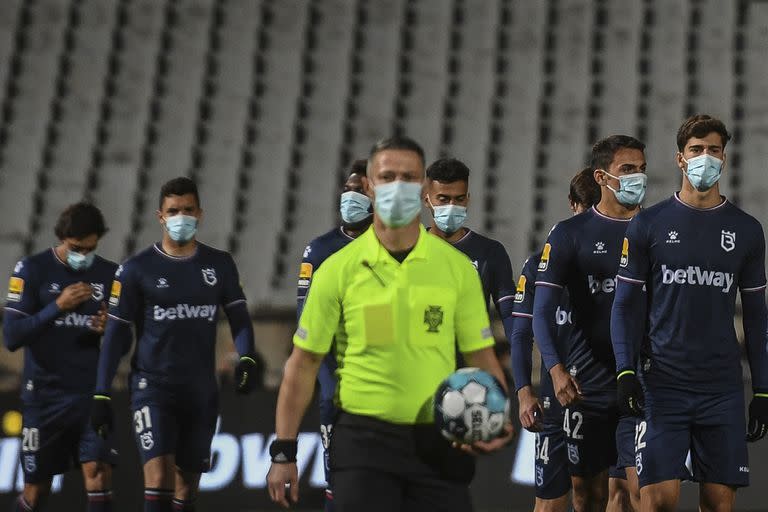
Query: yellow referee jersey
(396,324)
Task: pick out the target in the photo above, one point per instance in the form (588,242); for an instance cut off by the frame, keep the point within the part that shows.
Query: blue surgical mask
(77,261)
(703,171)
(449,217)
(354,207)
(631,190)
(398,202)
(181,228)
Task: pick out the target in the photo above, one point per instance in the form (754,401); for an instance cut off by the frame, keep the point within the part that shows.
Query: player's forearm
(544,325)
(296,392)
(521,348)
(117,341)
(626,323)
(755,321)
(486,359)
(20,330)
(241,328)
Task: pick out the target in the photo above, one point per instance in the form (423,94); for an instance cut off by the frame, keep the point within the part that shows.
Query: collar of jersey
(608,217)
(161,252)
(677,198)
(375,252)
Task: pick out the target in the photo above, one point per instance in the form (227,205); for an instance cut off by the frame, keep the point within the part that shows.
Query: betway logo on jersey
(601,285)
(696,276)
(73,320)
(184,311)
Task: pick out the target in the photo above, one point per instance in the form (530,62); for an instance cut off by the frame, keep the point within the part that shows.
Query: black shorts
(380,466)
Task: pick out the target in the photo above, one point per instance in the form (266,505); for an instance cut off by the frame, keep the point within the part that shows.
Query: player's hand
(101,415)
(245,374)
(73,295)
(530,409)
(99,320)
(283,483)
(629,394)
(567,389)
(758,417)
(486,447)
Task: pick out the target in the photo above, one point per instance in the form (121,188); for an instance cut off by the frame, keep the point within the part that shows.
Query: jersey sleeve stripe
(16,311)
(756,289)
(119,319)
(630,280)
(234,302)
(506,297)
(551,285)
(522,315)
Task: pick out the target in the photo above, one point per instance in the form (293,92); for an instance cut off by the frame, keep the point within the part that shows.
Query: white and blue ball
(471,405)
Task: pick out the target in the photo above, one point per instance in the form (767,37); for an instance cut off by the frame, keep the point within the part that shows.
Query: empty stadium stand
(265,102)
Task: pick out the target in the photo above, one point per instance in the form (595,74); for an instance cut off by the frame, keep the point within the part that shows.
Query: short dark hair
(700,126)
(178,187)
(80,220)
(400,142)
(358,167)
(584,189)
(448,170)
(604,149)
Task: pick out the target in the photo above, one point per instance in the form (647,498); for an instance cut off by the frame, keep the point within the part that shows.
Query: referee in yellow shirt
(398,302)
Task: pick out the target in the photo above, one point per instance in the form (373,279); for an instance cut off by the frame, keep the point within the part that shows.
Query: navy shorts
(57,436)
(590,432)
(711,425)
(183,427)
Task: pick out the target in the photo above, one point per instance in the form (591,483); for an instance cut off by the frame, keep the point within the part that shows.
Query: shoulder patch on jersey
(520,295)
(624,253)
(18,267)
(114,295)
(544,262)
(15,289)
(305,274)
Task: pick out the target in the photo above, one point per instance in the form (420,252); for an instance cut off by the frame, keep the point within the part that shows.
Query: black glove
(629,394)
(246,374)
(758,417)
(101,415)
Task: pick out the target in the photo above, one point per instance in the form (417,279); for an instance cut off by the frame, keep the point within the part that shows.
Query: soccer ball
(471,405)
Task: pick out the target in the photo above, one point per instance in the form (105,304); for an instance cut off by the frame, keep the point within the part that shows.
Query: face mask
(181,228)
(449,217)
(398,202)
(77,261)
(354,207)
(631,190)
(703,171)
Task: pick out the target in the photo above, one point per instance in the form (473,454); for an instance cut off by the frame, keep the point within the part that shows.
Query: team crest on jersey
(15,289)
(624,253)
(55,288)
(18,267)
(433,317)
(573,453)
(97,291)
(209,276)
(728,240)
(114,294)
(30,463)
(520,293)
(544,262)
(147,441)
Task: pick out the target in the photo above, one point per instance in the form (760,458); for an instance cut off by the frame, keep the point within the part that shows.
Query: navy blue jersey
(523,307)
(692,261)
(63,358)
(582,256)
(492,263)
(173,303)
(315,254)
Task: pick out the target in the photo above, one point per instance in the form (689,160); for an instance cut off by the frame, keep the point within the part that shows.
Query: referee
(398,302)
